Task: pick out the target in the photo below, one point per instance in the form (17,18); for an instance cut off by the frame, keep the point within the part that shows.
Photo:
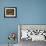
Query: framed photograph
(10,12)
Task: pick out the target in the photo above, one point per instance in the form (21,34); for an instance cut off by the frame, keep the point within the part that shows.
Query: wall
(28,12)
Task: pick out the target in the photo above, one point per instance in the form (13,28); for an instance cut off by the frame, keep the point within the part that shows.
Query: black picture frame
(10,12)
